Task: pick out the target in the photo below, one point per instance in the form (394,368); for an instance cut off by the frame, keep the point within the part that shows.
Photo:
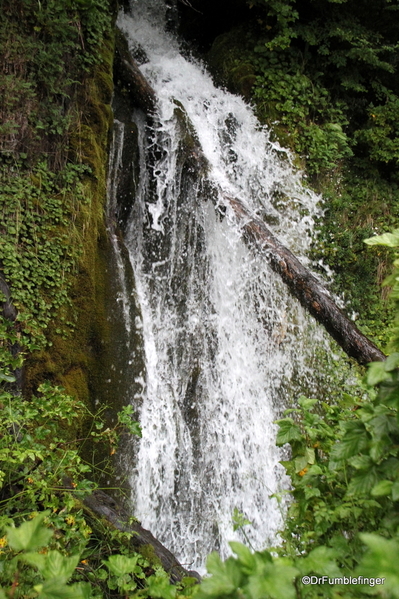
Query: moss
(148,552)
(231,60)
(71,358)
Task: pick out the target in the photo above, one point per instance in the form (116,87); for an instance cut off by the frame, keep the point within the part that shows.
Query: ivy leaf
(30,535)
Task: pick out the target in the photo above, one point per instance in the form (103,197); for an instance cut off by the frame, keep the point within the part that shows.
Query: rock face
(127,74)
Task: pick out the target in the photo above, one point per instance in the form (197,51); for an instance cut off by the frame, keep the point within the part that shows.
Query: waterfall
(225,347)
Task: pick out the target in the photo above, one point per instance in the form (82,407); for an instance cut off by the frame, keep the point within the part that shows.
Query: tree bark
(304,286)
(105,507)
(300,281)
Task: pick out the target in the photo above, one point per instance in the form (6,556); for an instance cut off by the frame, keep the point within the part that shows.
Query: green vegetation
(343,520)
(323,75)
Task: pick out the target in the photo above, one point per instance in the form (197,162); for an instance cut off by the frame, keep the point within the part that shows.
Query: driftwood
(127,71)
(104,506)
(304,286)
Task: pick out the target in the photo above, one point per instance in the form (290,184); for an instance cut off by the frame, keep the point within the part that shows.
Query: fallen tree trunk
(304,286)
(103,506)
(300,281)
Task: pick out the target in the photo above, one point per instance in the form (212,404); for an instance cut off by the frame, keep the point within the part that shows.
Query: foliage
(344,519)
(32,568)
(323,75)
(41,469)
(41,243)
(44,47)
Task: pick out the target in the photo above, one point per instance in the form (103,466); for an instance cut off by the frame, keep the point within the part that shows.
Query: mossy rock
(230,60)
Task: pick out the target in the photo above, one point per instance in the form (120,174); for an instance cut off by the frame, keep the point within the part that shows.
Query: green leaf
(288,431)
(310,455)
(121,564)
(395,491)
(276,581)
(56,589)
(320,561)
(59,566)
(159,586)
(363,482)
(392,362)
(381,561)
(376,373)
(239,519)
(384,487)
(9,378)
(306,403)
(388,239)
(226,576)
(30,535)
(244,555)
(300,463)
(353,441)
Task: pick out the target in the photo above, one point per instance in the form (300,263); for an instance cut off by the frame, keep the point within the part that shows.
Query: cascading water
(225,346)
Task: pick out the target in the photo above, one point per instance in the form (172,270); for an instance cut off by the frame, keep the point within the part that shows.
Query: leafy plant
(343,519)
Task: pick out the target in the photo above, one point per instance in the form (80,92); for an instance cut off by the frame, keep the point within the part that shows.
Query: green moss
(73,353)
(231,60)
(148,552)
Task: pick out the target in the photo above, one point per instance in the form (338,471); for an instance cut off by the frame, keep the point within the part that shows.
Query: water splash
(226,347)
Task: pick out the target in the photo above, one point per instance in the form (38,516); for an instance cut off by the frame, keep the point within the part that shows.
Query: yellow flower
(70,520)
(3,541)
(303,472)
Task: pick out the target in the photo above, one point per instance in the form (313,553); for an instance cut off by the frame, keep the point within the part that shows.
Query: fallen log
(305,286)
(128,73)
(300,281)
(103,506)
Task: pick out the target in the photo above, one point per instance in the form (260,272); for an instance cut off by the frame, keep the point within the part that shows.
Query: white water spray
(226,347)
